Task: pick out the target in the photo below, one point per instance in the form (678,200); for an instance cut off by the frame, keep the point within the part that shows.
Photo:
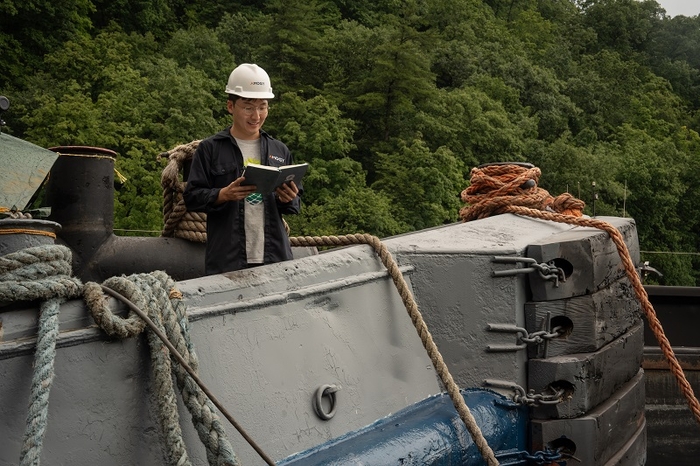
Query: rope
(25,231)
(14,213)
(495,187)
(178,221)
(175,294)
(419,324)
(156,294)
(39,273)
(43,273)
(490,194)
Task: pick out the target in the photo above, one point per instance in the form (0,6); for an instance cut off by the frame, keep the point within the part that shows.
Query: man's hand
(287,192)
(234,191)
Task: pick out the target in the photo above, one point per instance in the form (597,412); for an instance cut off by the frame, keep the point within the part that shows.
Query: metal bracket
(327,390)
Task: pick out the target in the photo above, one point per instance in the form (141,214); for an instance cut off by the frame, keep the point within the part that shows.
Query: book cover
(267,178)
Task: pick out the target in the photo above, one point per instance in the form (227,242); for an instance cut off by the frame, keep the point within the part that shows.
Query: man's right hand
(234,191)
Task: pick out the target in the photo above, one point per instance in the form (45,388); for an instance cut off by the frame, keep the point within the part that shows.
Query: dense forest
(392,102)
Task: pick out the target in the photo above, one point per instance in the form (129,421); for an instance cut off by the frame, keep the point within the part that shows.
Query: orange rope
(493,188)
(14,231)
(494,185)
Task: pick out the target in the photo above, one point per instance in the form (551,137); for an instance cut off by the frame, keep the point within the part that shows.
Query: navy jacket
(216,163)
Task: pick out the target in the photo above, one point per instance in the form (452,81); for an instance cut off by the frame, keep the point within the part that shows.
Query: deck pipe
(80,192)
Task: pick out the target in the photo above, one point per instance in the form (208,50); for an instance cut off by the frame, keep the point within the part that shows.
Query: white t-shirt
(254,207)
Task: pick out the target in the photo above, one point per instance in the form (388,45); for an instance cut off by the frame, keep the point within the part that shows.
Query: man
(244,228)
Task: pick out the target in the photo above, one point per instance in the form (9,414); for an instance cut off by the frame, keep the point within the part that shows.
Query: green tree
(424,186)
(29,30)
(337,201)
(625,26)
(137,105)
(312,129)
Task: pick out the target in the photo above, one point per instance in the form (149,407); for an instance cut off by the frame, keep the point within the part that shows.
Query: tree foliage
(392,102)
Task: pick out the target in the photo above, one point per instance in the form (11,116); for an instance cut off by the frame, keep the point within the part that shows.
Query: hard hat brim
(253,95)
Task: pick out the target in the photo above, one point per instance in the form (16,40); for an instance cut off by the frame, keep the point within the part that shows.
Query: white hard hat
(249,81)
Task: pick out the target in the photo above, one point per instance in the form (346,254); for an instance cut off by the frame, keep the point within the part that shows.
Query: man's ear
(229,106)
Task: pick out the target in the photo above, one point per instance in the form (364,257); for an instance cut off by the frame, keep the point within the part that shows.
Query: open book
(267,178)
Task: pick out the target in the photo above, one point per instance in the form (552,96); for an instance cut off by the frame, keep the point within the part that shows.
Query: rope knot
(495,187)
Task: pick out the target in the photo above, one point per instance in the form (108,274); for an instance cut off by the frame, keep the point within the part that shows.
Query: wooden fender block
(634,452)
(587,256)
(588,322)
(607,431)
(588,379)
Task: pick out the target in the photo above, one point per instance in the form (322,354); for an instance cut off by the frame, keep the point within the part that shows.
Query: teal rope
(41,383)
(39,273)
(151,292)
(206,421)
(43,273)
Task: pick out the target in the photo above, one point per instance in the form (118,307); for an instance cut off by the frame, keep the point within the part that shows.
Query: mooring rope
(39,273)
(419,324)
(509,180)
(174,352)
(43,273)
(156,294)
(178,222)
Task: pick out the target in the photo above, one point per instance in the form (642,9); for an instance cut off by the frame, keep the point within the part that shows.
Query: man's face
(248,117)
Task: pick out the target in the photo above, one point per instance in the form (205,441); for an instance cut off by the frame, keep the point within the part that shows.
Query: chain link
(536,399)
(534,338)
(547,271)
(530,398)
(544,457)
(537,338)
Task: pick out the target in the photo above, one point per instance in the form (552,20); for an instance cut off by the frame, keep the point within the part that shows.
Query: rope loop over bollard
(419,324)
(39,273)
(154,293)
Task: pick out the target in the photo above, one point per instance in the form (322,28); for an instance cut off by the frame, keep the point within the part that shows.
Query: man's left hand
(287,192)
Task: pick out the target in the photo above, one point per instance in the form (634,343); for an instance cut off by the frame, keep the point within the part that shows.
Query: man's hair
(235,98)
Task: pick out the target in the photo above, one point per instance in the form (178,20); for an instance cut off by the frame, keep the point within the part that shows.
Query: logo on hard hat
(257,83)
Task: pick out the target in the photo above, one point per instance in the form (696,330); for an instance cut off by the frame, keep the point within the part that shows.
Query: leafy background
(392,102)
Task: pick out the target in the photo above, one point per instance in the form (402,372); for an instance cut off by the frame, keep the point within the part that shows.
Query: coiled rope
(13,213)
(178,221)
(156,294)
(39,273)
(495,187)
(418,322)
(44,273)
(491,189)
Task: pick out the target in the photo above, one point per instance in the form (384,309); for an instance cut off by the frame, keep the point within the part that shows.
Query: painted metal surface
(429,433)
(272,339)
(589,322)
(15,238)
(24,168)
(589,378)
(268,337)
